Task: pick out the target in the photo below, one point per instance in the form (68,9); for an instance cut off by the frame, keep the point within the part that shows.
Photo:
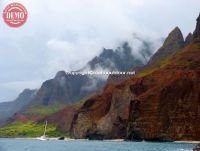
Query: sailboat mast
(45,128)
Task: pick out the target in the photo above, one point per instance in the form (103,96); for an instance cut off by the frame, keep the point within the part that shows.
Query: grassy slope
(44,110)
(28,129)
(153,68)
(51,109)
(31,129)
(184,57)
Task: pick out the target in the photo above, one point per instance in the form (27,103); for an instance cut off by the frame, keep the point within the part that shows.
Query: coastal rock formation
(103,116)
(158,104)
(163,105)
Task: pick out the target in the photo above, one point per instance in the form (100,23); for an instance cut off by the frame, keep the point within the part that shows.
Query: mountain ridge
(66,88)
(8,109)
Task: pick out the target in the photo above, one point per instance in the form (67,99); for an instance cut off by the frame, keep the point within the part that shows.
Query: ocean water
(84,145)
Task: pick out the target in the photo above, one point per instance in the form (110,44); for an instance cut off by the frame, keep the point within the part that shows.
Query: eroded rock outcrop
(104,116)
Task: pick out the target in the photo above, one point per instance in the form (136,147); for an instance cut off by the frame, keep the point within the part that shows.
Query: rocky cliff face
(161,104)
(103,116)
(169,107)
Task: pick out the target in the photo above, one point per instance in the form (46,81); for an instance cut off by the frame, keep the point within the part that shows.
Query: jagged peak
(176,29)
(172,43)
(189,35)
(27,92)
(107,52)
(60,74)
(175,36)
(197,29)
(188,39)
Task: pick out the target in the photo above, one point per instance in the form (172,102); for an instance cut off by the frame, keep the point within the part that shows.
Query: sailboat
(44,137)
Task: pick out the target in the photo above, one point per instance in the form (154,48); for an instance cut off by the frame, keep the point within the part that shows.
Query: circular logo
(15,15)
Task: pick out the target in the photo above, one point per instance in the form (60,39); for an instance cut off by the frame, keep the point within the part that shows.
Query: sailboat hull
(43,138)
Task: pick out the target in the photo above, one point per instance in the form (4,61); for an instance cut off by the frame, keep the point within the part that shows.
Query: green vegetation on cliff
(28,129)
(44,110)
(161,64)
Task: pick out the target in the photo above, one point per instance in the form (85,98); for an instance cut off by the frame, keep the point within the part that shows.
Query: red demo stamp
(15,15)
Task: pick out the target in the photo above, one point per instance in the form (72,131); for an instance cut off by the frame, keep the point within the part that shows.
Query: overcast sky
(65,34)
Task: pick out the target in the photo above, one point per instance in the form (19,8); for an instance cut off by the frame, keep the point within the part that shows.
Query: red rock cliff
(161,103)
